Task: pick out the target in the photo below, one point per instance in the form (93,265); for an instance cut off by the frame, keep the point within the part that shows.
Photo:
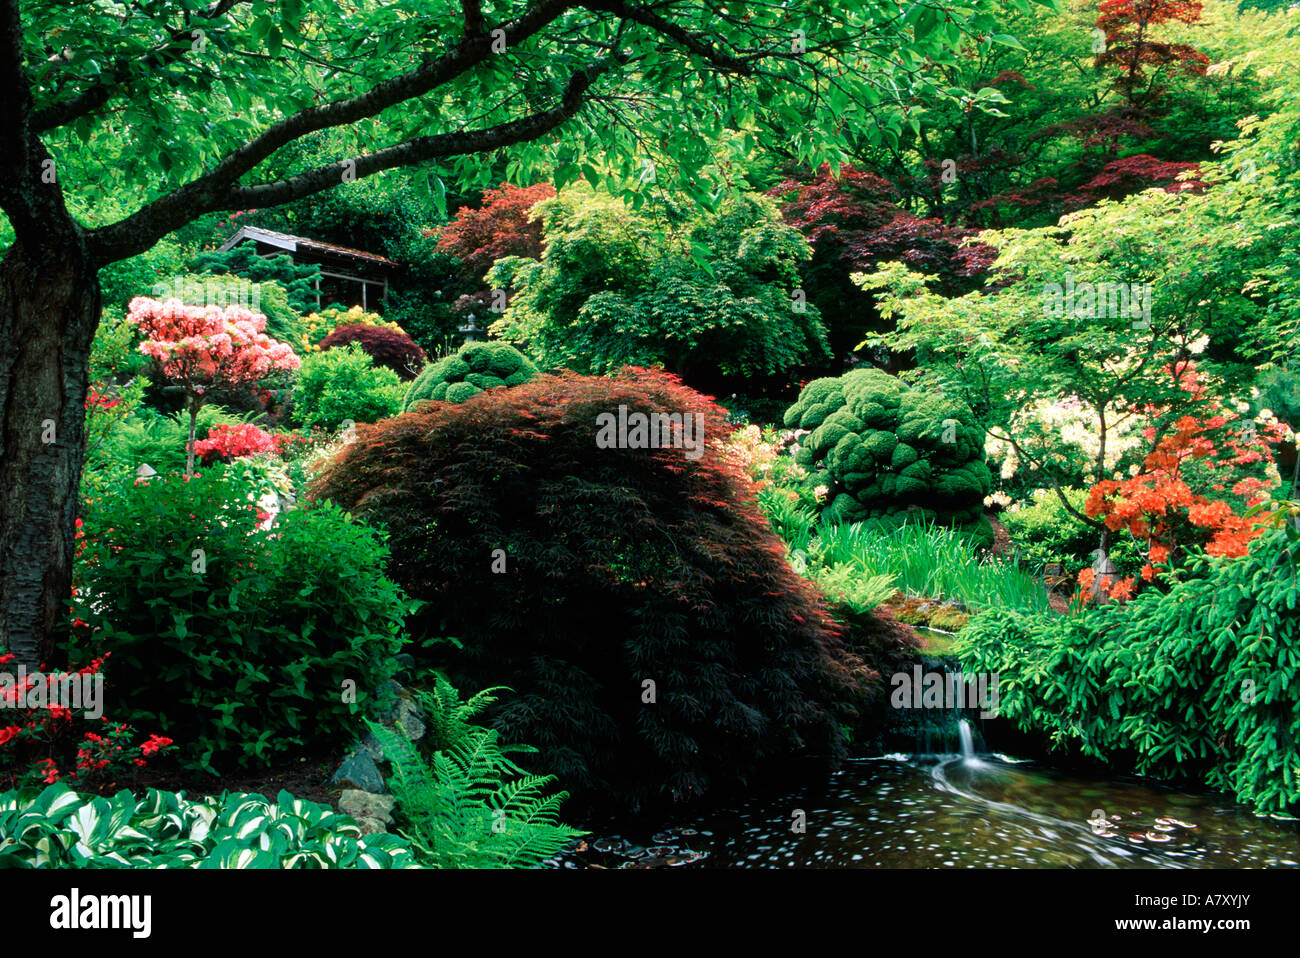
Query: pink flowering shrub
(206,347)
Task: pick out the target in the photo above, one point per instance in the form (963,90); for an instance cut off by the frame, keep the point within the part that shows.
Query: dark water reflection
(944,812)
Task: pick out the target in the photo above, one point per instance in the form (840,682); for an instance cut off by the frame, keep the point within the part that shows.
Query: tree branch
(683,37)
(420,149)
(99,93)
(135,234)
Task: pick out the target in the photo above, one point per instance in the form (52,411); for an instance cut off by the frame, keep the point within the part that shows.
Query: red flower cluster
(28,749)
(1166,505)
(234,442)
(96,399)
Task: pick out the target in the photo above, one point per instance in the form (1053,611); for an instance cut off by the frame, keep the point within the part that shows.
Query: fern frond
(469,805)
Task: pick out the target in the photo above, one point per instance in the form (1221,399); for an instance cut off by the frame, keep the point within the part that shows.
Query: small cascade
(967,740)
(966,732)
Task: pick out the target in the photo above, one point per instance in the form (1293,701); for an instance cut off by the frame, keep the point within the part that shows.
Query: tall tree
(182,108)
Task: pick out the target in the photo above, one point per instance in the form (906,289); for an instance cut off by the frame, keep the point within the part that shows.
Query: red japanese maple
(499,227)
(1130,47)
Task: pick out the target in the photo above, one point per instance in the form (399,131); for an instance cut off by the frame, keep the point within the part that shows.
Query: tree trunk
(49,308)
(189,447)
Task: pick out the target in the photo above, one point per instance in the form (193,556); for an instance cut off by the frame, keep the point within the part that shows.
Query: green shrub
(881,448)
(1047,535)
(1196,683)
(297,280)
(466,804)
(471,369)
(238,653)
(59,828)
(345,384)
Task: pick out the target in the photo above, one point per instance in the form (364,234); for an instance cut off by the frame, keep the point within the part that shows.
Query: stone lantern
(470,330)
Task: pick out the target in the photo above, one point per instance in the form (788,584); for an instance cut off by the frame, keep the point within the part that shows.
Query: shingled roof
(294,244)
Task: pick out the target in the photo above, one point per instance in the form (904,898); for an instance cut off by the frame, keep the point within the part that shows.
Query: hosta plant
(60,828)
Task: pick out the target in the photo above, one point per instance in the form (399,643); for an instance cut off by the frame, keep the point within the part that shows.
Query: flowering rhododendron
(207,347)
(45,729)
(1189,491)
(234,442)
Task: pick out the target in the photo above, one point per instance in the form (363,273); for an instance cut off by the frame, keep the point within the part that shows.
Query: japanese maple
(206,347)
(500,227)
(1130,47)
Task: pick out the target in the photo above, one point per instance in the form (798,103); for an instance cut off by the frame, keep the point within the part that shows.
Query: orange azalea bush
(1194,489)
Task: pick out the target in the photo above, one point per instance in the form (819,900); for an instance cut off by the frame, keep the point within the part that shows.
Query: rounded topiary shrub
(390,348)
(882,448)
(234,640)
(471,369)
(635,600)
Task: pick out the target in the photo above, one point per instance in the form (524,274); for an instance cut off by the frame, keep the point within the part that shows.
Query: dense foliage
(634,599)
(391,349)
(344,385)
(703,293)
(470,370)
(60,828)
(297,279)
(1196,683)
(239,642)
(880,448)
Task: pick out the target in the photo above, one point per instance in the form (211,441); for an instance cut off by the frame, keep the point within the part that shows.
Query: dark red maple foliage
(499,227)
(853,217)
(1118,178)
(387,347)
(623,564)
(1130,47)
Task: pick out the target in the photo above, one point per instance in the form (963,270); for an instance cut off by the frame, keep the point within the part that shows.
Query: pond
(959,811)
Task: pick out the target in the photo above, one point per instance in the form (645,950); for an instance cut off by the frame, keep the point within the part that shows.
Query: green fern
(470,805)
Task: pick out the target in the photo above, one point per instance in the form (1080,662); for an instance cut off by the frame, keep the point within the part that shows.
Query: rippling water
(898,812)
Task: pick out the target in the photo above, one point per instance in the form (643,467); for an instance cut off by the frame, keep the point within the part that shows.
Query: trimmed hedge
(470,370)
(883,448)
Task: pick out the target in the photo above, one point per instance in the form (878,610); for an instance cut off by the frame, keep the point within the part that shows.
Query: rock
(388,696)
(405,660)
(360,771)
(372,746)
(371,826)
(408,717)
(361,805)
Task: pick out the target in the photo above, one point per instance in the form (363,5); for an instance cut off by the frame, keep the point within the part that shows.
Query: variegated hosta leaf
(166,830)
